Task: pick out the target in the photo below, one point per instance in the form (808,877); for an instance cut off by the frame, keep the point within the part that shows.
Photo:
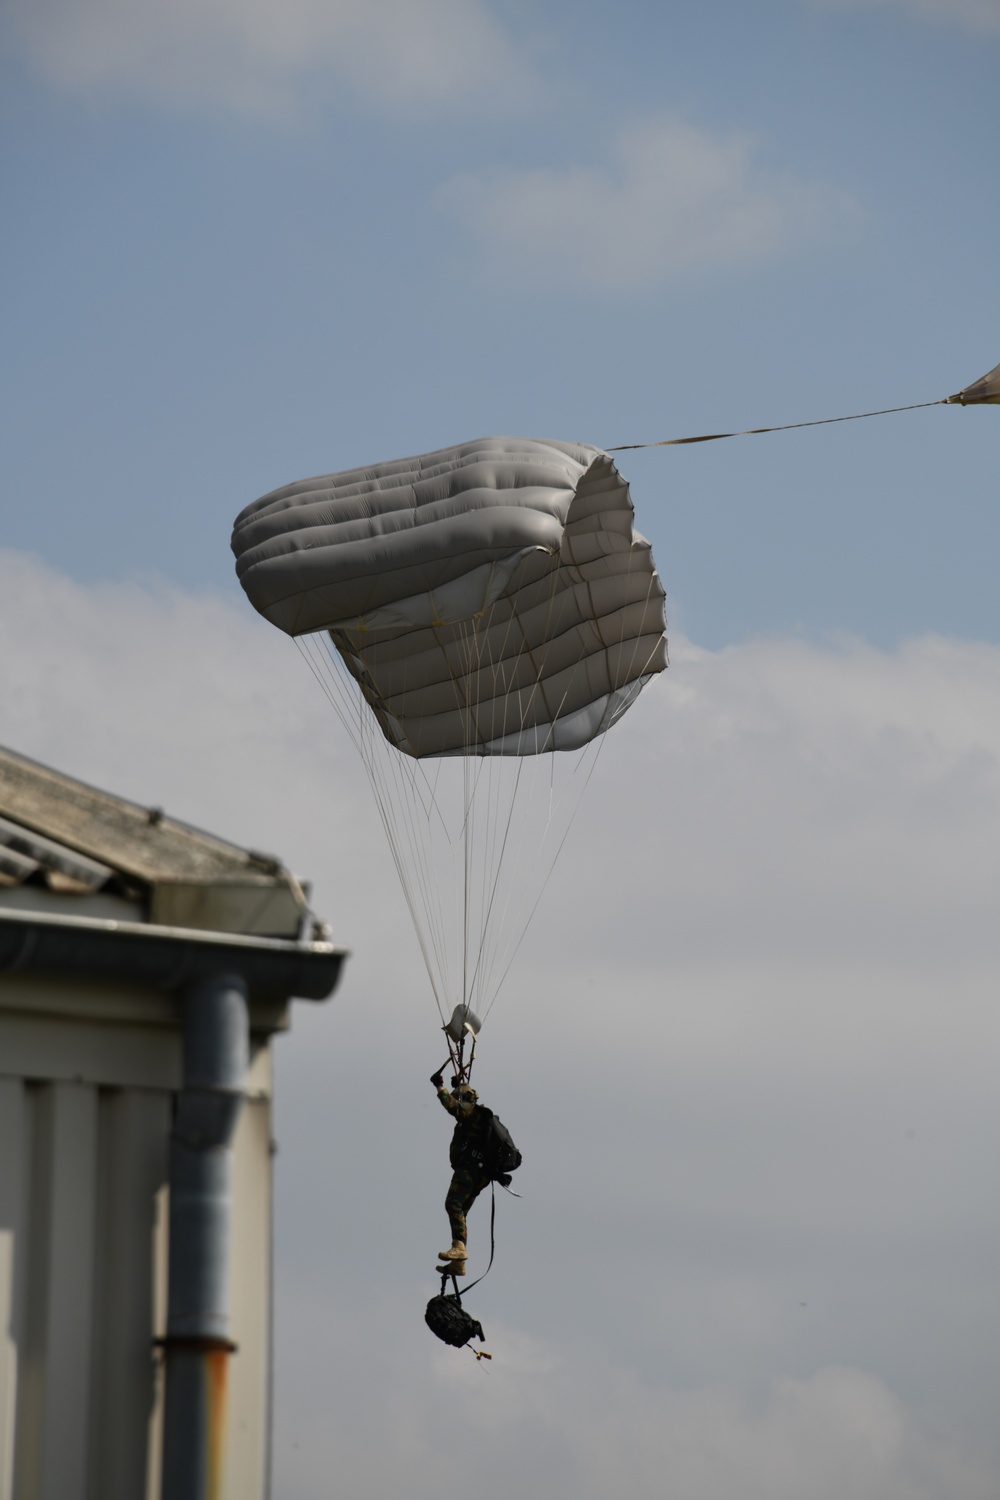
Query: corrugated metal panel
(13,1189)
(64,868)
(82,1278)
(15,868)
(54,1291)
(132,1164)
(250,1277)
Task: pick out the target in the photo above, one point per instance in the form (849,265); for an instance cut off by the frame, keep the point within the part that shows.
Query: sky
(748,1048)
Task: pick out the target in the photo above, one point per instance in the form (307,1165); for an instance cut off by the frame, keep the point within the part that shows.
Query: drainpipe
(197,1346)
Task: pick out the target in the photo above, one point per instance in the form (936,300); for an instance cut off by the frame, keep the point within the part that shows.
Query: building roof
(75,840)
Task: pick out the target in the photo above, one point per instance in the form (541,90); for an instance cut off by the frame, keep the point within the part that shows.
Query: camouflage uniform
(468,1178)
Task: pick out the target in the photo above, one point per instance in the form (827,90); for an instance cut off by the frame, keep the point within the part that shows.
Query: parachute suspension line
(373,757)
(536,873)
(495,862)
(469,790)
(491,773)
(536,769)
(586,762)
(344,694)
(407,808)
(416,803)
(499,771)
(411,779)
(545,861)
(486,774)
(542,763)
(504,825)
(401,809)
(382,765)
(317,665)
(471,772)
(470,779)
(468,643)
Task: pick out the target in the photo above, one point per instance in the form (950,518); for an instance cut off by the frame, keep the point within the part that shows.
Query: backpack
(448,1319)
(502,1156)
(491,1151)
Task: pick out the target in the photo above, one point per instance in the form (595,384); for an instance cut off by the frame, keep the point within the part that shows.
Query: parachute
(479,616)
(982,392)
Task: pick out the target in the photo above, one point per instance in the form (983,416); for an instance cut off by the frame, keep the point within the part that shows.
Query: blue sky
(247,241)
(245,245)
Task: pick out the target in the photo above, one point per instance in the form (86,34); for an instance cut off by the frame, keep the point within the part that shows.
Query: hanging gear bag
(448,1319)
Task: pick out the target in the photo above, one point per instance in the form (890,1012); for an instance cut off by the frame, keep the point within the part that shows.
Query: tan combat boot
(457,1251)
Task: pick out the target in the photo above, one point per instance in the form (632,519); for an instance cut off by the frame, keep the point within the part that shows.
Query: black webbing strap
(493,1216)
(493,1219)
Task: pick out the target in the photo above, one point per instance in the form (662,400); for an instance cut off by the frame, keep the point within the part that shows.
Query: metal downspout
(197,1345)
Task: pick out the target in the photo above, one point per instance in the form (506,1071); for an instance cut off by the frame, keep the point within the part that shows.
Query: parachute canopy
(980,391)
(492,598)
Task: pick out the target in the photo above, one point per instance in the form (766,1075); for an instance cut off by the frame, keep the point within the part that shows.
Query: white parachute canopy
(472,613)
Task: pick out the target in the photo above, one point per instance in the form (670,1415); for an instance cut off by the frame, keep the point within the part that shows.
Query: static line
(711,437)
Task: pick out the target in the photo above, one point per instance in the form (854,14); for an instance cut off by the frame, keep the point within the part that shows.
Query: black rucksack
(448,1319)
(490,1151)
(503,1157)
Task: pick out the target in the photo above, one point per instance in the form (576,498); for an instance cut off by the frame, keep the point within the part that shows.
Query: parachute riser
(462,1030)
(460,1069)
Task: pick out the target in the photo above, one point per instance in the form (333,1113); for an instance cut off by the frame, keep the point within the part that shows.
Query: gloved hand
(455,1081)
(437,1080)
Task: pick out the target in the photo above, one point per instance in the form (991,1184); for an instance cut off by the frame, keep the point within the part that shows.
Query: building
(145,967)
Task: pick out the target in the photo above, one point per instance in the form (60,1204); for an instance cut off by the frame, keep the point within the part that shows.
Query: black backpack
(490,1151)
(448,1319)
(503,1157)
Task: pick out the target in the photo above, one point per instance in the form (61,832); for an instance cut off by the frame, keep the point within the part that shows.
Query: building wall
(87,1077)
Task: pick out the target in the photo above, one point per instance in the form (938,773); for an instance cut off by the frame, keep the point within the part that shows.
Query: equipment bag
(448,1319)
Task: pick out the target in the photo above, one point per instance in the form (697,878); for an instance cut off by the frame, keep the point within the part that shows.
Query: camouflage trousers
(463,1191)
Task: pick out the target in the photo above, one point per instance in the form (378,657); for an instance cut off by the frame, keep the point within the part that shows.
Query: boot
(451,1267)
(457,1251)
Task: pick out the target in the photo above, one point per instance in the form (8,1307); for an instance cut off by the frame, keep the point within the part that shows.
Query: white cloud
(670,201)
(749,1055)
(978,16)
(258,56)
(535,1419)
